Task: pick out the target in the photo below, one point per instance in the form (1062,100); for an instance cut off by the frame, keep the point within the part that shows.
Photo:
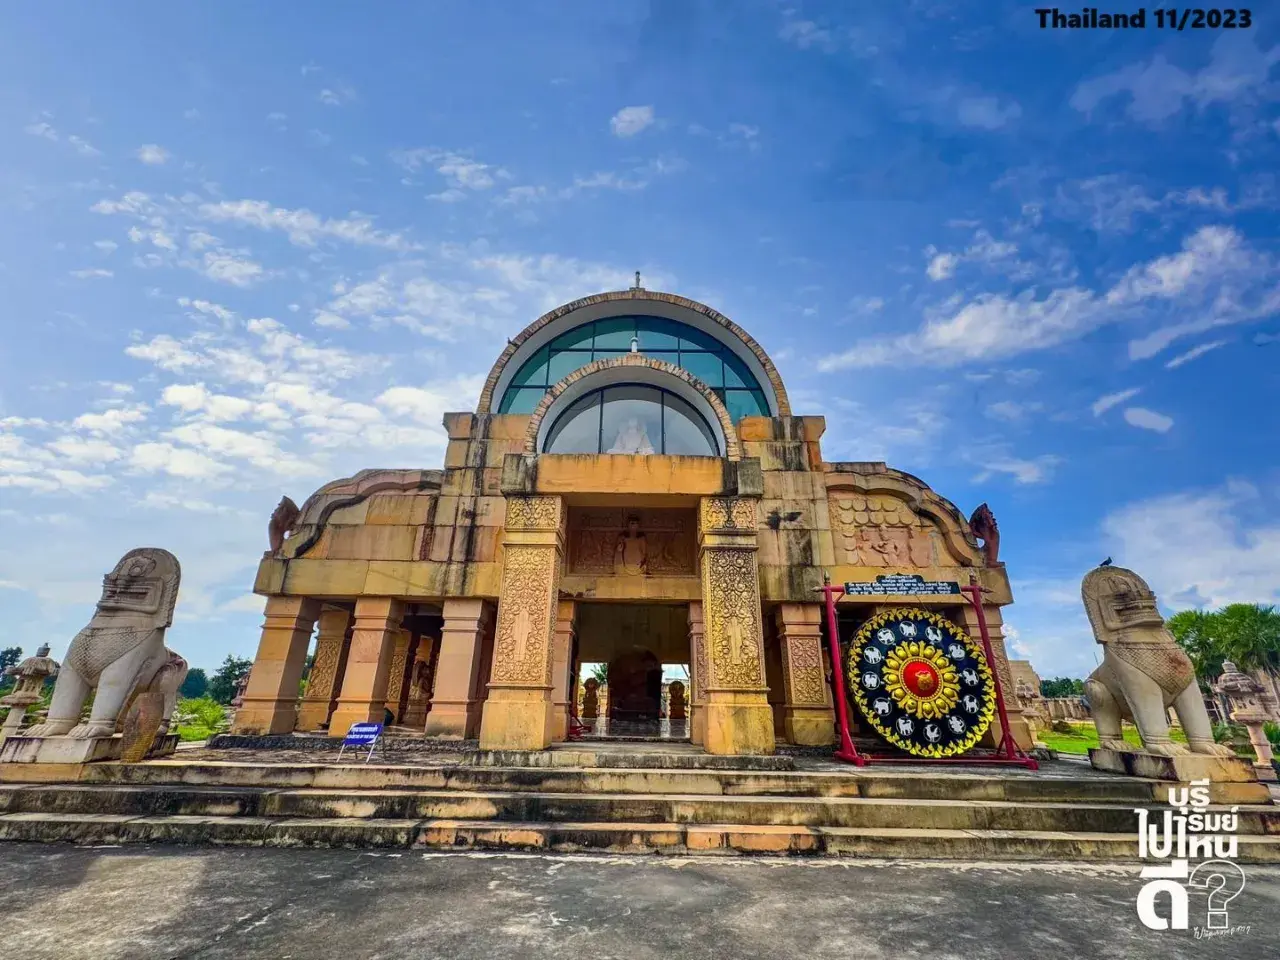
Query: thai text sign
(362,734)
(911,584)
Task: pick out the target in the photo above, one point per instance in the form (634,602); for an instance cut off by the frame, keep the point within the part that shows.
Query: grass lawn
(1084,736)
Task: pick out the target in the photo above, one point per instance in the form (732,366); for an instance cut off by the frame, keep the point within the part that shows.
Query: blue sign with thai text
(362,734)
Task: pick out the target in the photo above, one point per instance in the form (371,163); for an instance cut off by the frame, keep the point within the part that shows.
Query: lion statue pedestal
(121,658)
(1144,673)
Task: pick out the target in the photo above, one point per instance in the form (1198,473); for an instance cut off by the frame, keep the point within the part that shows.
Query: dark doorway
(635,686)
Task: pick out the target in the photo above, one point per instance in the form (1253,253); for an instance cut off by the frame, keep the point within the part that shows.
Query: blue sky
(244,252)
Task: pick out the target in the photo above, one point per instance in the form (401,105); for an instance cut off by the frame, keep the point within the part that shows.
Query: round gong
(921,682)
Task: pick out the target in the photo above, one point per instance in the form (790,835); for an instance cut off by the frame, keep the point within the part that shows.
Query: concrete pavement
(148,902)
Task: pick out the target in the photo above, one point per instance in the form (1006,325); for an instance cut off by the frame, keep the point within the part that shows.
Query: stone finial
(31,674)
(283,519)
(983,526)
(1250,705)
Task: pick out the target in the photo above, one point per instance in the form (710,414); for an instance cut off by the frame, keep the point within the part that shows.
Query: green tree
(222,687)
(1196,632)
(600,673)
(195,685)
(1061,687)
(9,657)
(1247,634)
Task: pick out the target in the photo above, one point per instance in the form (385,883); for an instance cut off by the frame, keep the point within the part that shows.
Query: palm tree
(1248,634)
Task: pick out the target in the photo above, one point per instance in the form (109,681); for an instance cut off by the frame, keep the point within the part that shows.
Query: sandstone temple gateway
(633,487)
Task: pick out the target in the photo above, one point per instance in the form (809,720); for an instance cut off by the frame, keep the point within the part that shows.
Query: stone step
(847,782)
(636,757)
(309,803)
(671,838)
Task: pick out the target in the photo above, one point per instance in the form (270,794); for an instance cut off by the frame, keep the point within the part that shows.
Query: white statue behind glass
(632,438)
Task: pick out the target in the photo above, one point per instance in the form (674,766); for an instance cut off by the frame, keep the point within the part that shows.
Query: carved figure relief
(727,513)
(283,519)
(731,608)
(121,652)
(631,555)
(880,531)
(526,615)
(1143,671)
(603,541)
(533,513)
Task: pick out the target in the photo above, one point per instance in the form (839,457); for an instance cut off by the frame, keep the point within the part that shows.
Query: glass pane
(608,354)
(687,434)
(744,403)
(707,367)
(577,337)
(691,339)
(736,373)
(578,428)
(563,364)
(632,420)
(658,334)
(521,399)
(666,356)
(615,333)
(533,372)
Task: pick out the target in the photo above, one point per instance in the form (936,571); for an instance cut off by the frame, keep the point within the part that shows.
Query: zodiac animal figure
(885,636)
(905,726)
(956,724)
(881,707)
(970,703)
(907,629)
(873,655)
(970,677)
(121,651)
(1143,672)
(956,651)
(932,733)
(871,681)
(933,634)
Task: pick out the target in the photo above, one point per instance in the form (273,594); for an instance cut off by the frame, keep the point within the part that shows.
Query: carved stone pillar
(459,686)
(396,673)
(364,683)
(421,681)
(1018,725)
(697,675)
(562,670)
(517,715)
(739,719)
(807,712)
(326,670)
(271,696)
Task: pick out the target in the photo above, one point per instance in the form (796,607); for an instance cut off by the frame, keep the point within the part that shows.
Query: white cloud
(1147,419)
(226,266)
(1011,411)
(805,34)
(83,146)
(110,421)
(152,154)
(303,227)
(85,449)
(42,129)
(986,113)
(629,121)
(336,95)
(1023,471)
(176,461)
(1156,90)
(1193,353)
(106,246)
(92,273)
(1206,254)
(942,266)
(1105,403)
(1201,548)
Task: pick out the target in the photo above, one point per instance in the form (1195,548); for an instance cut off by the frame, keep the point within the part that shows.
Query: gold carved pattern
(395,677)
(803,657)
(533,513)
(724,513)
(324,668)
(526,616)
(880,531)
(594,532)
(731,608)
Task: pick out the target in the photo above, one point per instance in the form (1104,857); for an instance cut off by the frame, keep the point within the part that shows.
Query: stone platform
(1232,780)
(608,798)
(65,750)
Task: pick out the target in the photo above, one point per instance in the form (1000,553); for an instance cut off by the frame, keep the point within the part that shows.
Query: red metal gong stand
(1006,754)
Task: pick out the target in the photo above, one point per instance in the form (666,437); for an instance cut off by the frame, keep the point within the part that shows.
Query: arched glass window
(632,418)
(669,340)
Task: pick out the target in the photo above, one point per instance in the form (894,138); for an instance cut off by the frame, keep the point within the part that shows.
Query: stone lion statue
(1143,672)
(283,519)
(121,652)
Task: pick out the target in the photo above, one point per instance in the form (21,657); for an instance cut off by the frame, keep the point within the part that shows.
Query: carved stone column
(459,686)
(421,681)
(1018,725)
(562,670)
(364,683)
(271,696)
(517,715)
(739,719)
(396,673)
(807,712)
(326,670)
(697,675)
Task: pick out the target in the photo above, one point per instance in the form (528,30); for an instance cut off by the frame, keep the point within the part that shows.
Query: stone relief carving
(804,661)
(1143,671)
(880,531)
(731,608)
(526,616)
(121,652)
(533,513)
(727,513)
(596,534)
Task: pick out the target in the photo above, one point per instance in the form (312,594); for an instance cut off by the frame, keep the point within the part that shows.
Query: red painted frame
(1006,754)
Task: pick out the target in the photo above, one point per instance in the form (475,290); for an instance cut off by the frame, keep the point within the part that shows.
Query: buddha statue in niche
(631,553)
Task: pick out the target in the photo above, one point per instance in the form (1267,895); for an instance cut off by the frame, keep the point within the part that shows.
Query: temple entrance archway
(643,647)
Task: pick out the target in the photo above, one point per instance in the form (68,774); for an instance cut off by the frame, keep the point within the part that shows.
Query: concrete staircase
(579,799)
